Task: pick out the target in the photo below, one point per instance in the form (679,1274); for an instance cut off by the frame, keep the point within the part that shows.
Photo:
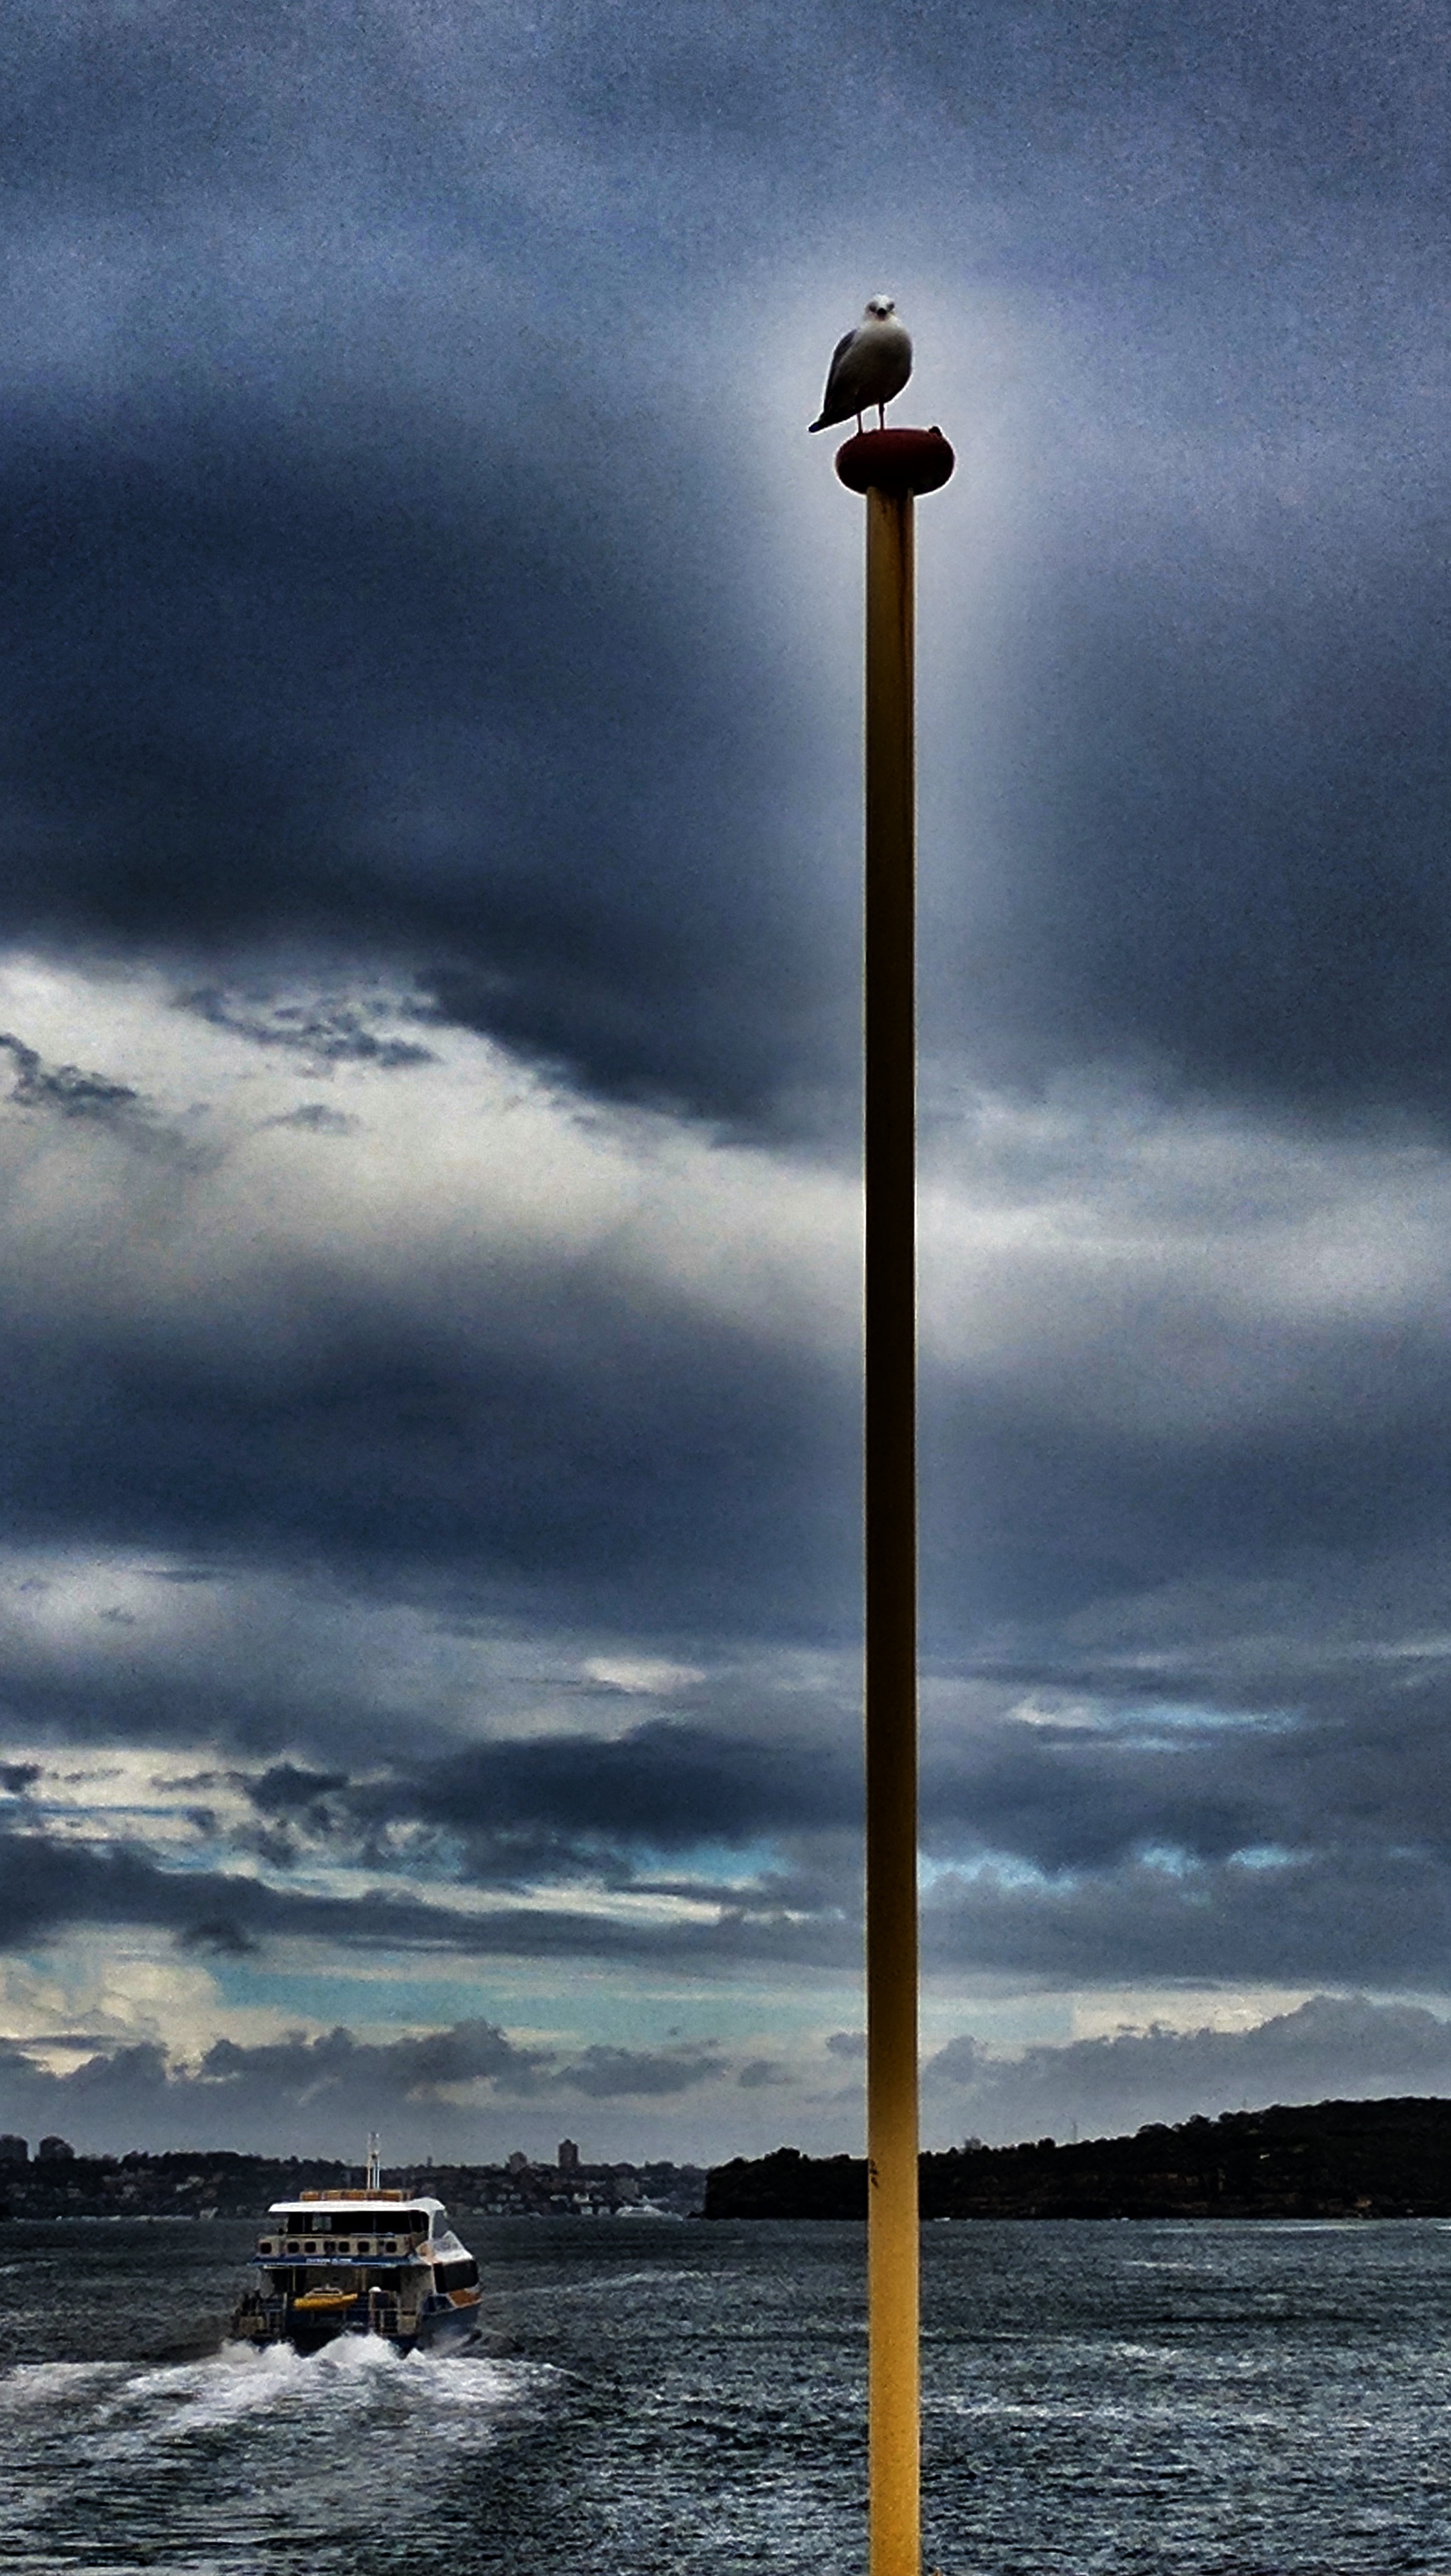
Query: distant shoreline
(217,2183)
(1385,2159)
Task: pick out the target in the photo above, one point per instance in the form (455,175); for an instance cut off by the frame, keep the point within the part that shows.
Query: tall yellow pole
(891,466)
(891,1542)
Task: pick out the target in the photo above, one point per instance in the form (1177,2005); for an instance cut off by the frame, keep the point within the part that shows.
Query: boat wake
(115,2468)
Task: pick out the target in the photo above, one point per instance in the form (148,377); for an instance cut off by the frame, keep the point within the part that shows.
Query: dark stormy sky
(429,808)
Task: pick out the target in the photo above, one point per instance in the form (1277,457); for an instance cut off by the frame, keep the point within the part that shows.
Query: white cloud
(650,1676)
(1167,1270)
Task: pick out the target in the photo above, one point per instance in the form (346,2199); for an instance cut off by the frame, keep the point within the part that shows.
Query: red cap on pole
(895,460)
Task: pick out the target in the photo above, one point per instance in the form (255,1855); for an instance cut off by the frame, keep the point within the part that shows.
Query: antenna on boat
(890,466)
(373,2178)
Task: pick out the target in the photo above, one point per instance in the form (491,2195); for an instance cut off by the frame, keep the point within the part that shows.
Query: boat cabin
(360,2262)
(361,2224)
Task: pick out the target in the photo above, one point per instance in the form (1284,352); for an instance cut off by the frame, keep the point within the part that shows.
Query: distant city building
(568,2156)
(517,2163)
(175,2185)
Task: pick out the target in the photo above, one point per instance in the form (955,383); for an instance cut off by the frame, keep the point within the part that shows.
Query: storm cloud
(1342,2046)
(428,981)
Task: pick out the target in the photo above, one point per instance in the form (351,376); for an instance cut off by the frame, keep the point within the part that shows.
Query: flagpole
(890,467)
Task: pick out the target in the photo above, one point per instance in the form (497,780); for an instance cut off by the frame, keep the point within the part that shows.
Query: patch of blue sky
(742,1866)
(542,2002)
(997,1868)
(1181,1717)
(328,1997)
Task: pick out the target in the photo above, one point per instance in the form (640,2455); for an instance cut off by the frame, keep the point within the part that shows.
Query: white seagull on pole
(869,365)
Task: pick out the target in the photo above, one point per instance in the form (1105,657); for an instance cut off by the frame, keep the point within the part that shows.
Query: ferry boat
(368,2262)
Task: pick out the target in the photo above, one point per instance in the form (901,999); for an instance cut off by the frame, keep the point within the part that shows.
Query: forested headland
(1389,2159)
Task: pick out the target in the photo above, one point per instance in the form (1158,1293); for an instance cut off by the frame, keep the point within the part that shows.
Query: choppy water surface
(1230,2398)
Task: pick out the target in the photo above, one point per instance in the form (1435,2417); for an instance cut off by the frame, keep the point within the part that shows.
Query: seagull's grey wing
(843,349)
(839,356)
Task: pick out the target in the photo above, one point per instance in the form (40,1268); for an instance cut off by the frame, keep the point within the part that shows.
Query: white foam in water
(1125,2401)
(349,2381)
(51,2383)
(112,2405)
(110,2469)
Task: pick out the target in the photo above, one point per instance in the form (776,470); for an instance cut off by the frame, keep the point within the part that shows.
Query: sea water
(689,2399)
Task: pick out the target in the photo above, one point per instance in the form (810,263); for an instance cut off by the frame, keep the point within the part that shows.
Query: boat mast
(890,467)
(373,2178)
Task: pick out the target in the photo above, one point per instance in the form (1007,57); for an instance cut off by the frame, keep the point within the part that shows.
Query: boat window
(460,2275)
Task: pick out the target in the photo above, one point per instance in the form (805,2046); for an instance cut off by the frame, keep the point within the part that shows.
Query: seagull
(869,365)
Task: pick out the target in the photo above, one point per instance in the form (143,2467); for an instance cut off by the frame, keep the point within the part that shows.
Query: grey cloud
(337,662)
(662,1785)
(320,703)
(589,1427)
(362,700)
(962,2062)
(299,2068)
(62,1086)
(1342,2046)
(469,801)
(92,2042)
(48,1882)
(317,1117)
(276,2096)
(302,2093)
(308,2093)
(847,2043)
(48,1885)
(336,1031)
(602,2073)
(220,1938)
(284,1790)
(1338,1912)
(1158,1830)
